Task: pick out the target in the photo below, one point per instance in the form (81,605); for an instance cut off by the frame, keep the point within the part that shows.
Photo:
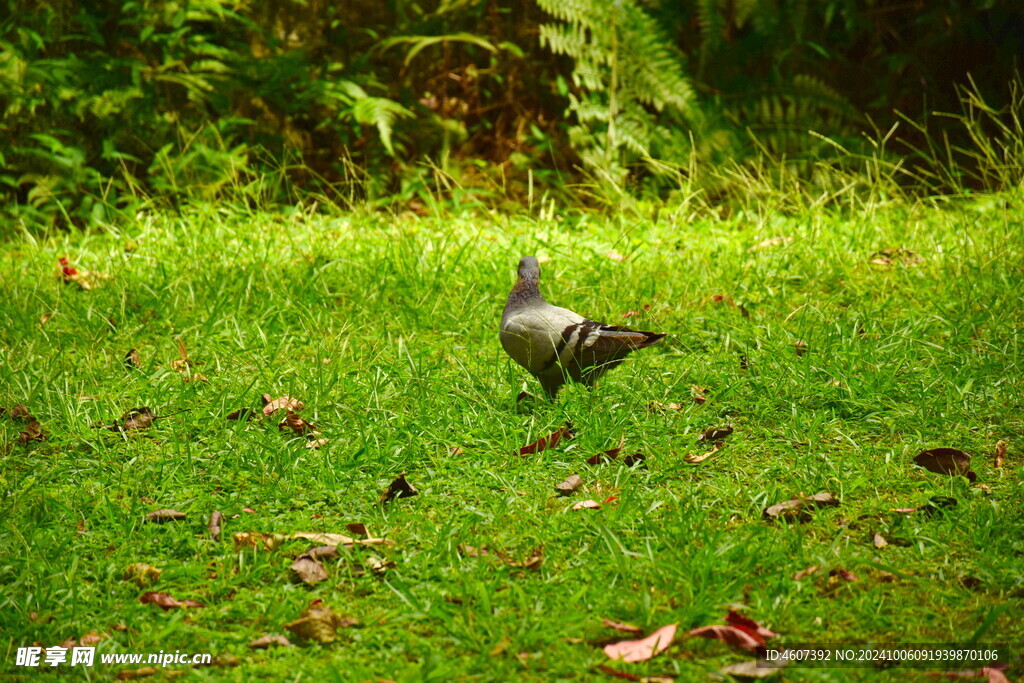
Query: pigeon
(556,345)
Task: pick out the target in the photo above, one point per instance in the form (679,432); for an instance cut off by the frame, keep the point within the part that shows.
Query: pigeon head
(529,268)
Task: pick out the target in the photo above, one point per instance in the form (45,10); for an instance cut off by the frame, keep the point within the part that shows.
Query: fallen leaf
(319,623)
(1000,455)
(473,551)
(698,392)
(753,669)
(770,242)
(880,541)
(270,405)
(843,574)
(456,450)
(399,488)
(615,256)
(357,528)
(715,433)
(729,635)
(132,674)
(607,455)
(90,639)
(882,261)
(255,539)
(804,573)
(268,641)
(571,483)
(587,505)
(141,574)
(45,318)
(131,359)
(295,423)
(246,414)
(701,457)
(751,627)
(624,628)
(33,432)
(308,569)
(655,406)
(549,441)
(165,601)
(20,412)
(532,562)
(377,565)
(800,347)
(316,443)
(213,525)
(796,508)
(643,649)
(946,461)
(633,459)
(886,257)
(249,510)
(164,515)
(630,314)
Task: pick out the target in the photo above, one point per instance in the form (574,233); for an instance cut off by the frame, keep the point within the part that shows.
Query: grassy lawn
(385,327)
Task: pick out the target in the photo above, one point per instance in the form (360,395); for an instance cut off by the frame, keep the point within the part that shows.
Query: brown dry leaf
(45,318)
(213,525)
(165,515)
(316,443)
(255,539)
(624,628)
(571,483)
(804,573)
(882,261)
(607,455)
(748,625)
(141,574)
(85,279)
(165,601)
(270,405)
(633,459)
(33,432)
(268,641)
(797,508)
(377,565)
(246,414)
(770,242)
(643,649)
(587,505)
(699,393)
(357,528)
(887,257)
(715,433)
(880,541)
(730,635)
(549,441)
(319,623)
(456,450)
(752,669)
(308,569)
(132,674)
(20,412)
(295,423)
(533,561)
(800,347)
(655,406)
(949,461)
(999,458)
(131,359)
(615,256)
(399,488)
(838,575)
(701,457)
(473,551)
(90,639)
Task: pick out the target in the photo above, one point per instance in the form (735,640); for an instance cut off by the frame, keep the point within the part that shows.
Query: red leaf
(643,649)
(165,601)
(549,441)
(729,635)
(749,625)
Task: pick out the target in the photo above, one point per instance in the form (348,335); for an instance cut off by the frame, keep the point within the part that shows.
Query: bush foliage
(105,102)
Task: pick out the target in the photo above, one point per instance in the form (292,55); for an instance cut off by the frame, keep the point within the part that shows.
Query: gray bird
(556,345)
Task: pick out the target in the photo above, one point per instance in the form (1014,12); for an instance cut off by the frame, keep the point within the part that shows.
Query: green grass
(386,328)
